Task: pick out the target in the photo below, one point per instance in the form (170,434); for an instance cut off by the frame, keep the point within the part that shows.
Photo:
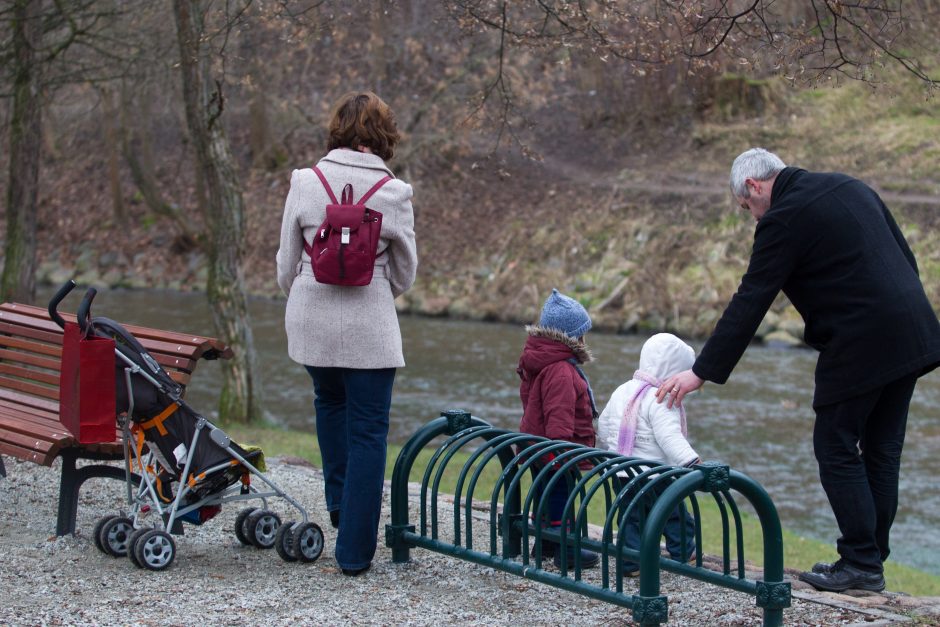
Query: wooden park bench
(30,361)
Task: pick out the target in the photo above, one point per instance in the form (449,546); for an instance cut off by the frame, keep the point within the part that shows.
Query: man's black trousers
(858,445)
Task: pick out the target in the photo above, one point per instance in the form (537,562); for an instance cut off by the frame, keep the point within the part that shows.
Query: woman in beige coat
(348,338)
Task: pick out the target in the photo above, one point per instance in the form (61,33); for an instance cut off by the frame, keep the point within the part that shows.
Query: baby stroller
(180,468)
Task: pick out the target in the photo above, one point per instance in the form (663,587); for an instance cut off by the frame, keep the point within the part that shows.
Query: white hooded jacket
(658,432)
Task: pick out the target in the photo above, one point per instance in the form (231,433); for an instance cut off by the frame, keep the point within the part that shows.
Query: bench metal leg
(72,480)
(3,469)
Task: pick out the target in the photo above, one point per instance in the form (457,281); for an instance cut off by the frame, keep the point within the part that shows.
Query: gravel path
(47,580)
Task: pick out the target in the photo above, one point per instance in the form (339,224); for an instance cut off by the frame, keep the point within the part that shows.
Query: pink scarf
(627,436)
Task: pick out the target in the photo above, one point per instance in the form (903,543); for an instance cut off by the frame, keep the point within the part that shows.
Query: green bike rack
(625,484)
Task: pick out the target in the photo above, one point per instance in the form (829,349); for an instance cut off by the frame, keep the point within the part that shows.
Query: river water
(760,422)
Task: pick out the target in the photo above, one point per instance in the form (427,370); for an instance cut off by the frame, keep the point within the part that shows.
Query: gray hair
(757,164)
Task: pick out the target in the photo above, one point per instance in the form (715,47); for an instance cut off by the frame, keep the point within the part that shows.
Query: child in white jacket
(635,425)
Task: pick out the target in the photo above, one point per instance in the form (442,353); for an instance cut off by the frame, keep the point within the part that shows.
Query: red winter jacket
(555,399)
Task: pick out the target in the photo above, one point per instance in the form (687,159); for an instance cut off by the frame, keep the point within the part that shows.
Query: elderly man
(828,241)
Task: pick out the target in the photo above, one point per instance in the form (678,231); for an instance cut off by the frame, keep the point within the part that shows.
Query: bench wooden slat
(8,412)
(52,365)
(43,459)
(172,362)
(45,429)
(31,388)
(51,392)
(180,377)
(36,405)
(31,442)
(48,431)
(51,431)
(9,326)
(52,350)
(195,346)
(47,331)
(49,378)
(176,349)
(169,355)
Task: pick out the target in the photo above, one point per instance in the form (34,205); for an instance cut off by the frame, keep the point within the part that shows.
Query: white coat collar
(357,159)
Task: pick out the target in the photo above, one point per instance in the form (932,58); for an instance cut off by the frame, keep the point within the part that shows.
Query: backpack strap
(374,189)
(326,186)
(365,197)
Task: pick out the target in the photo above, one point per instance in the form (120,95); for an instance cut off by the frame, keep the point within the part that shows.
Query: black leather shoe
(826,567)
(334,518)
(845,577)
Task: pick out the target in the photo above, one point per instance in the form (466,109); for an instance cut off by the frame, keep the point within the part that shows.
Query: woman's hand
(677,386)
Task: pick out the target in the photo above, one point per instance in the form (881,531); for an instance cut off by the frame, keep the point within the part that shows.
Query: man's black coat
(832,246)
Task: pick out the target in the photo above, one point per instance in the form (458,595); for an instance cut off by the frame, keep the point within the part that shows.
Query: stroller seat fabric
(164,424)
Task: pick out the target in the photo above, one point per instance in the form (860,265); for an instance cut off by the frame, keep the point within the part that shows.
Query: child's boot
(589,559)
(548,549)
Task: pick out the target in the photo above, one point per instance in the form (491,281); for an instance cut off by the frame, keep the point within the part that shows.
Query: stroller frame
(170,515)
(150,545)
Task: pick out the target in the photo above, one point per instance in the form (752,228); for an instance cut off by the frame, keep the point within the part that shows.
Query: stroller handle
(84,309)
(64,291)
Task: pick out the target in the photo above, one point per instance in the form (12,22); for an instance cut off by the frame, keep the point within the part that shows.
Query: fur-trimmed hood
(544,353)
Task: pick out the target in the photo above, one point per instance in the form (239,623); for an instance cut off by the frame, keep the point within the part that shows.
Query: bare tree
(19,270)
(44,45)
(799,40)
(205,104)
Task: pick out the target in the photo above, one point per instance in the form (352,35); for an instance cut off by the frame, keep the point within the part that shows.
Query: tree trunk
(18,281)
(110,123)
(224,214)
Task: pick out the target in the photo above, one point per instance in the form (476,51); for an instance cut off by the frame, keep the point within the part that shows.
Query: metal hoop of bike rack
(650,489)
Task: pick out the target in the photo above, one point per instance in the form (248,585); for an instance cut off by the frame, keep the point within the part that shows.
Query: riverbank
(49,580)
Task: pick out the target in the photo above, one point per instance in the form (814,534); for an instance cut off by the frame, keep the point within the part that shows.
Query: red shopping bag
(87,386)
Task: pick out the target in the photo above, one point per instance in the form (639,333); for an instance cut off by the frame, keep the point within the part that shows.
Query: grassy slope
(799,552)
(649,238)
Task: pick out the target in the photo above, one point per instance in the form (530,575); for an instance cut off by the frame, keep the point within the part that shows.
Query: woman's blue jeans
(352,408)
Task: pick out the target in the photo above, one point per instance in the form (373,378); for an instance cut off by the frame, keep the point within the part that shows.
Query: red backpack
(344,248)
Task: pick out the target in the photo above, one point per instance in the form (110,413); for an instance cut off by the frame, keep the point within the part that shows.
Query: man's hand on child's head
(677,386)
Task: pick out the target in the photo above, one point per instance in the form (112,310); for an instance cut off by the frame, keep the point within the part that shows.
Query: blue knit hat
(565,314)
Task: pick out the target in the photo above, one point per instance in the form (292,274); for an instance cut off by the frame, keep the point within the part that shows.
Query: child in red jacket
(557,400)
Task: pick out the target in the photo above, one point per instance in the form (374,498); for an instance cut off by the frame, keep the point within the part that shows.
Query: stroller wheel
(132,545)
(284,542)
(114,535)
(308,542)
(155,549)
(96,532)
(241,528)
(262,527)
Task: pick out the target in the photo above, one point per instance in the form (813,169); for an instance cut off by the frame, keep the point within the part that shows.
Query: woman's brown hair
(363,119)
